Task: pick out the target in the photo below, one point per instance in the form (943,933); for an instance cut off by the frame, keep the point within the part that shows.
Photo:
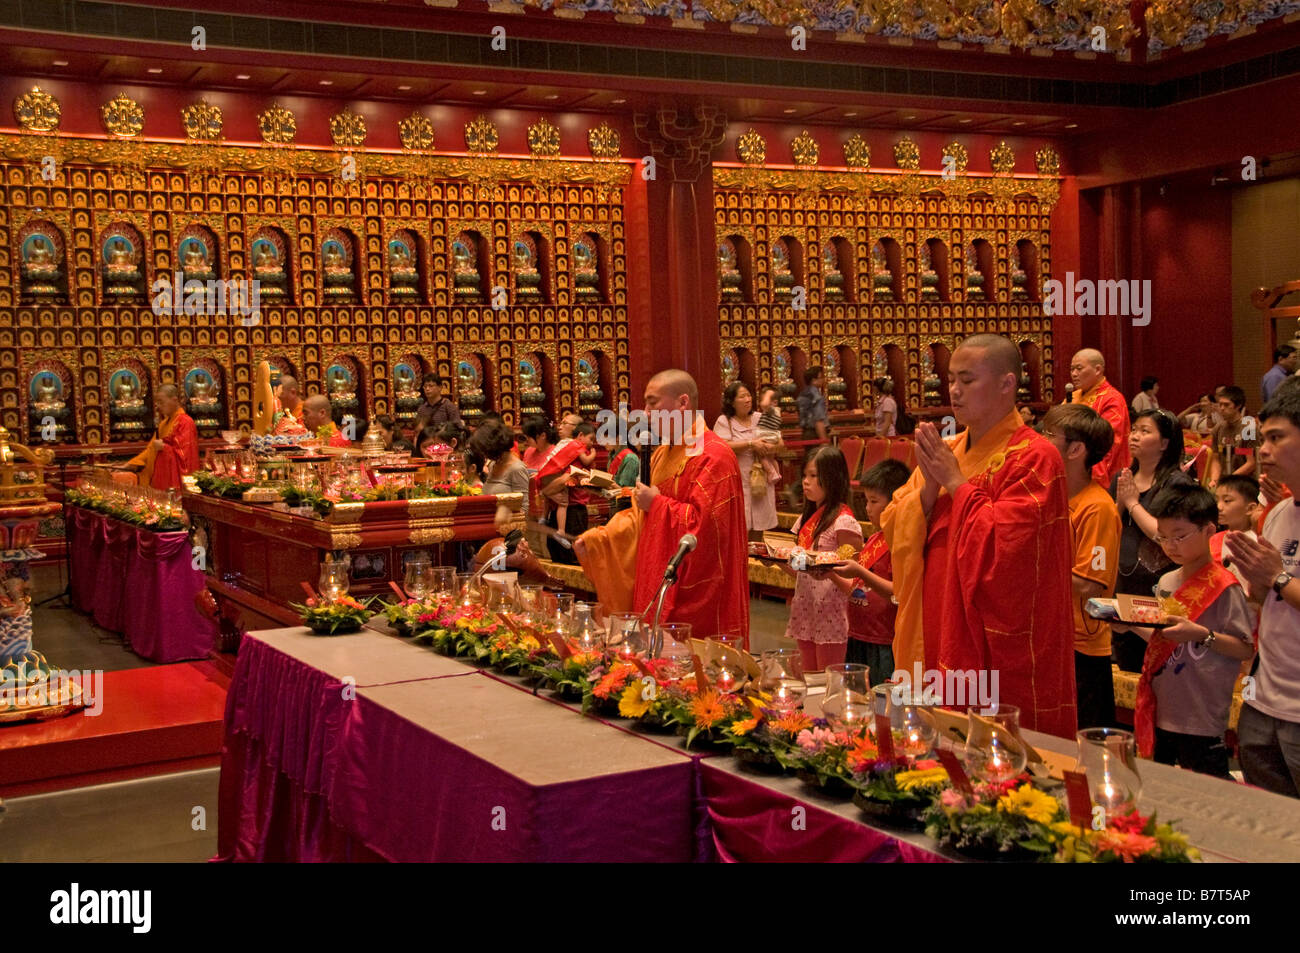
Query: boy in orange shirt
(1083,438)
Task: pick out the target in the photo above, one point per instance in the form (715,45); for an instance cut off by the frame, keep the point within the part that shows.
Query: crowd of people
(991,555)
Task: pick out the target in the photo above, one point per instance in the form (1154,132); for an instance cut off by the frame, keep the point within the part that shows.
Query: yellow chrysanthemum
(927,778)
(631,704)
(1029,802)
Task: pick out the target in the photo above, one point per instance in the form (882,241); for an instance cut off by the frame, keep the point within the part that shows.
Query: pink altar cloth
(139,583)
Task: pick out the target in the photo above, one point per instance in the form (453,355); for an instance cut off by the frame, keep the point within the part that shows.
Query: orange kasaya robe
(1110,403)
(984,584)
(164,468)
(336,437)
(699,492)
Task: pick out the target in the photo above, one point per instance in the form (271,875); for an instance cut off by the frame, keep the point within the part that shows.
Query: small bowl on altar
(231,437)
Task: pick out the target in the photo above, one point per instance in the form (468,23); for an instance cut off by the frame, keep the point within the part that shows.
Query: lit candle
(726,681)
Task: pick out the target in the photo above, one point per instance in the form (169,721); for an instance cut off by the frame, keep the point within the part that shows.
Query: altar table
(139,583)
(362,747)
(367,747)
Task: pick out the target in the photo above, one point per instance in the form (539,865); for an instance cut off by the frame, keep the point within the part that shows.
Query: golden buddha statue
(125,396)
(338,276)
(528,280)
(340,387)
(403,277)
(832,277)
(195,264)
(40,267)
(49,393)
(464,256)
(729,279)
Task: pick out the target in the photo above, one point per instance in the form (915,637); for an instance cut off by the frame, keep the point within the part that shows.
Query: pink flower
(953,799)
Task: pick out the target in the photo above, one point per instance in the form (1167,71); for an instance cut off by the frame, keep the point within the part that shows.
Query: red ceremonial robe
(996,580)
(700,493)
(1110,403)
(163,469)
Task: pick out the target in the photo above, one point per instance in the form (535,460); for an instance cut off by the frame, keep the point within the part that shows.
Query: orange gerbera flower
(708,709)
(1129,847)
(744,726)
(791,723)
(612,681)
(861,754)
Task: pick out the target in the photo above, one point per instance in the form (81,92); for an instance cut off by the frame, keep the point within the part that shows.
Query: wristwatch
(1280,583)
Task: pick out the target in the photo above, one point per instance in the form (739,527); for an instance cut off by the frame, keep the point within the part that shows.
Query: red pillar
(681,329)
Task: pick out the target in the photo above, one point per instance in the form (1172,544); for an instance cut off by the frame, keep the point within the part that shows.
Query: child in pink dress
(819,609)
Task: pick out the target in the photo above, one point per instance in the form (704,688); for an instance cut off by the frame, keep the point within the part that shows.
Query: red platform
(154,720)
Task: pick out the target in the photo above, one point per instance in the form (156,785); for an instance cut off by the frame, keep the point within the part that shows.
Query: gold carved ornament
(752,148)
(481,136)
(416,132)
(603,141)
(544,138)
(804,149)
(907,154)
(37,111)
(857,154)
(1002,158)
(277,125)
(1047,161)
(960,158)
(348,129)
(123,117)
(202,121)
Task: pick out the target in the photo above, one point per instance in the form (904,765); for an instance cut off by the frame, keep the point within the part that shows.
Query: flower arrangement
(212,485)
(1016,820)
(333,616)
(409,615)
(1012,819)
(158,516)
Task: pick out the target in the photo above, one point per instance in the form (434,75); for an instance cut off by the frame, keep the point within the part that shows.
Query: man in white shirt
(1268,732)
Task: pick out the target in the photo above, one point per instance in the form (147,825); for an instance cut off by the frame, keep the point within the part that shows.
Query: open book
(597,478)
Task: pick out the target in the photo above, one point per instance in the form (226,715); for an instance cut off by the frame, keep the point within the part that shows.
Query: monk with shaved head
(317,417)
(1088,374)
(174,449)
(695,488)
(981,548)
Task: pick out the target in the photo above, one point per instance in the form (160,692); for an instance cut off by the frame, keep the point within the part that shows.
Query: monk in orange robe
(174,450)
(694,488)
(1088,374)
(981,548)
(287,420)
(317,419)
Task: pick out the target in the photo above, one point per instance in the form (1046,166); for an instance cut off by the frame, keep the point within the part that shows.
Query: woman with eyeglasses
(1156,443)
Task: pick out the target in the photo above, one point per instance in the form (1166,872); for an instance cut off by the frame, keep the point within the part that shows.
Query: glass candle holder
(675,649)
(783,679)
(1108,757)
(562,619)
(723,670)
(444,581)
(333,581)
(994,750)
(467,588)
(627,636)
(418,578)
(587,635)
(848,702)
(914,727)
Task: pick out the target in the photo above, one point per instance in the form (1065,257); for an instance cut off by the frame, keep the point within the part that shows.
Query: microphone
(1069,389)
(684,546)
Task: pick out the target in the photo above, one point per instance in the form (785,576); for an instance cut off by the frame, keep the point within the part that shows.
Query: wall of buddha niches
(505,276)
(878,275)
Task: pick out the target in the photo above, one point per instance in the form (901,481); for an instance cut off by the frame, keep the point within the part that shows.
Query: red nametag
(956,773)
(311,593)
(884,737)
(1079,798)
(644,669)
(397,589)
(561,647)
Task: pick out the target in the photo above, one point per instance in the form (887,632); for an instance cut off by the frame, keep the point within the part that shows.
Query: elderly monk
(288,415)
(694,488)
(1088,374)
(317,418)
(174,450)
(980,542)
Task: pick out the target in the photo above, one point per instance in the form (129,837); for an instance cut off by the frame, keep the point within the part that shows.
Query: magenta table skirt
(139,583)
(308,774)
(753,822)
